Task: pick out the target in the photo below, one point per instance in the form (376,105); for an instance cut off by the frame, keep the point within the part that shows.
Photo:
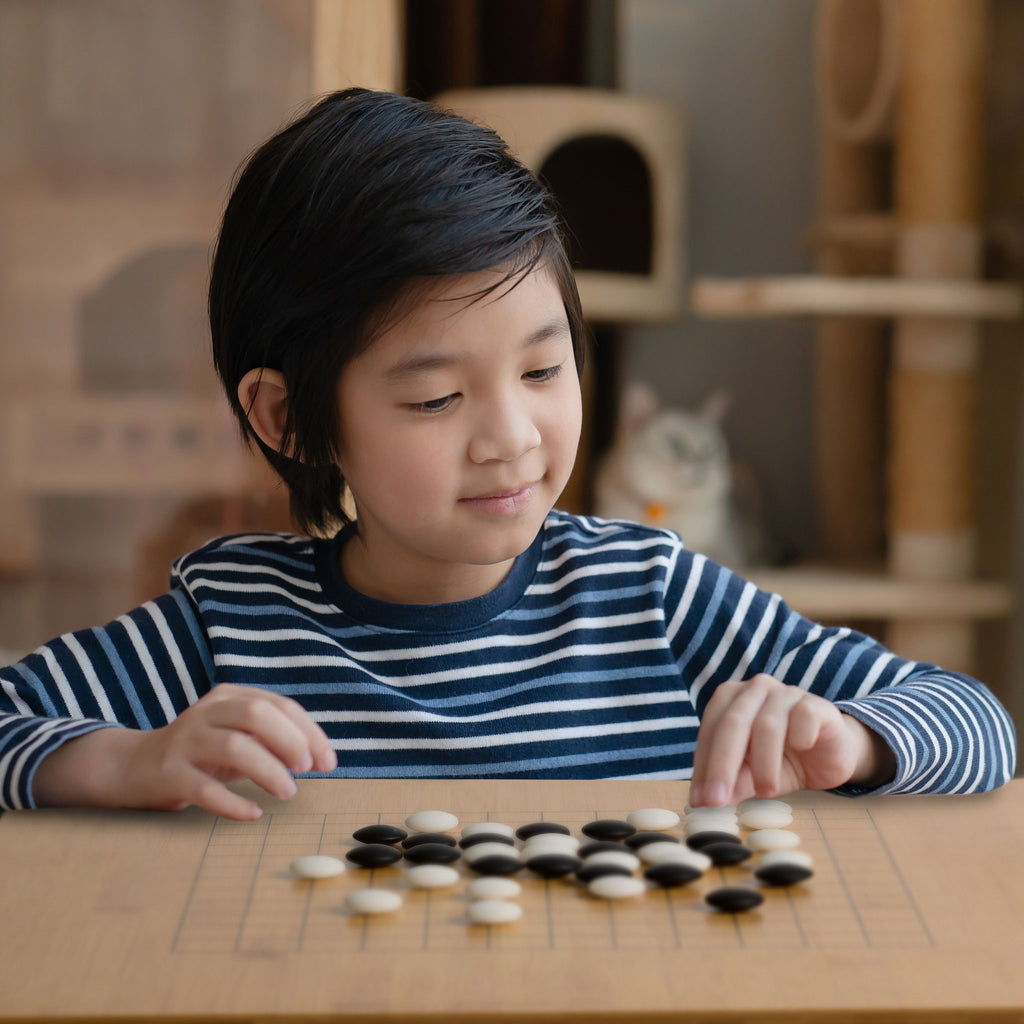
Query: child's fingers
(212,795)
(805,723)
(724,737)
(230,753)
(281,725)
(319,746)
(770,734)
(716,706)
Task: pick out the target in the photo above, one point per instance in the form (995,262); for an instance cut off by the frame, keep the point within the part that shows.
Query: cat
(672,468)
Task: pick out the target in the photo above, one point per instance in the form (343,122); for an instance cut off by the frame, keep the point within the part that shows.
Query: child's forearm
(88,771)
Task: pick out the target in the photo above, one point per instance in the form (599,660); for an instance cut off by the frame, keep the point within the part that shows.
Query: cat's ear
(638,407)
(715,407)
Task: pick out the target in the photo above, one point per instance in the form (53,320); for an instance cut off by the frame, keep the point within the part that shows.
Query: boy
(392,308)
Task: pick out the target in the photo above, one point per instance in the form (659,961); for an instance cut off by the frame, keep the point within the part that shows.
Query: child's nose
(505,430)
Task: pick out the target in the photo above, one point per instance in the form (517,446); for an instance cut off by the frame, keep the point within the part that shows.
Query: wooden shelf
(123,445)
(818,295)
(820,592)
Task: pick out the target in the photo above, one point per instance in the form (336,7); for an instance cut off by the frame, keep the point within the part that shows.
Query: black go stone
(379,834)
(373,855)
(734,899)
(598,846)
(701,839)
(539,828)
(486,837)
(607,828)
(589,872)
(725,854)
(639,839)
(553,865)
(669,875)
(432,853)
(418,838)
(496,864)
(783,874)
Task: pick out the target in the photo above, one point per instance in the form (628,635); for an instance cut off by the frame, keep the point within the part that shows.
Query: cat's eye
(680,449)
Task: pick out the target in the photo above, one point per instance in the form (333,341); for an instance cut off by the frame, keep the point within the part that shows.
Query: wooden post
(856,56)
(938,199)
(356,42)
(849,371)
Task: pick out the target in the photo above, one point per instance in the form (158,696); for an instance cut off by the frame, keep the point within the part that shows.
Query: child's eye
(549,373)
(435,404)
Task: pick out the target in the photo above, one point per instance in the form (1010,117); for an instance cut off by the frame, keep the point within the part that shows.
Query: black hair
(329,224)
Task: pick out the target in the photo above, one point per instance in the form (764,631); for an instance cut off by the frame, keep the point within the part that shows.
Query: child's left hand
(760,737)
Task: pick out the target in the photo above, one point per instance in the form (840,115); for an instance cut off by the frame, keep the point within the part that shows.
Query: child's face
(459,428)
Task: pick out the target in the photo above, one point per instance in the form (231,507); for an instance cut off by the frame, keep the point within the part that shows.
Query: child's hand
(232,733)
(763,738)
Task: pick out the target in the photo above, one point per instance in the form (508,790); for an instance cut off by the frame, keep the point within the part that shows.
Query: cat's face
(678,455)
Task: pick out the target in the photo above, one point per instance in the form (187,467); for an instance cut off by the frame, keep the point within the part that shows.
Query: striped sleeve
(140,671)
(948,732)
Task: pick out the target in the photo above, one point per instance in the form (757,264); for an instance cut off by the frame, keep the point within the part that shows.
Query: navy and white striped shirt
(594,658)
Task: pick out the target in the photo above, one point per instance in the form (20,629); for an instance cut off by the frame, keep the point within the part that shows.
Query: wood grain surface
(915,912)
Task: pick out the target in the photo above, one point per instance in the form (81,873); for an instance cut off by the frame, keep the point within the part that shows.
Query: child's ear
(263,395)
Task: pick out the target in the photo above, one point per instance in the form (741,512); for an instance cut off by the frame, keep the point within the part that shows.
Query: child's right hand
(231,733)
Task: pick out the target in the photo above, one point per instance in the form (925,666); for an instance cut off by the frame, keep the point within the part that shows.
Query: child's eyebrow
(414,365)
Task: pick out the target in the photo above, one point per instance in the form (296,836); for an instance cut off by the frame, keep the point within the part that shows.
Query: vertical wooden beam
(857,70)
(850,368)
(356,42)
(938,198)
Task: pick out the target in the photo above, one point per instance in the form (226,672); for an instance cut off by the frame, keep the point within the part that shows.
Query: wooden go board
(916,908)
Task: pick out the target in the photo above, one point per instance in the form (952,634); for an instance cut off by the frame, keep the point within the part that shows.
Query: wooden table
(916,911)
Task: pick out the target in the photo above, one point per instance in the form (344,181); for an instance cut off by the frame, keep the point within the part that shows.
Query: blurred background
(814,208)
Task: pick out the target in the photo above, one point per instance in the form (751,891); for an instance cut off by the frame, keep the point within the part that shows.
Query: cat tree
(923,92)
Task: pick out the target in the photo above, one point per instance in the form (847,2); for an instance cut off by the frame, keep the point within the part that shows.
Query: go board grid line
(611,925)
(842,878)
(192,887)
(309,894)
(200,927)
(796,917)
(252,883)
(899,875)
(736,923)
(547,911)
(670,907)
(426,919)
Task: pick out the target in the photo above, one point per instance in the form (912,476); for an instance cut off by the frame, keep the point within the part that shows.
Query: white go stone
(493,912)
(317,866)
(491,828)
(710,813)
(707,823)
(772,839)
(766,816)
(722,809)
(432,876)
(431,821)
(773,857)
(473,853)
(617,887)
(762,801)
(659,853)
(373,901)
(551,842)
(493,887)
(652,819)
(623,860)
